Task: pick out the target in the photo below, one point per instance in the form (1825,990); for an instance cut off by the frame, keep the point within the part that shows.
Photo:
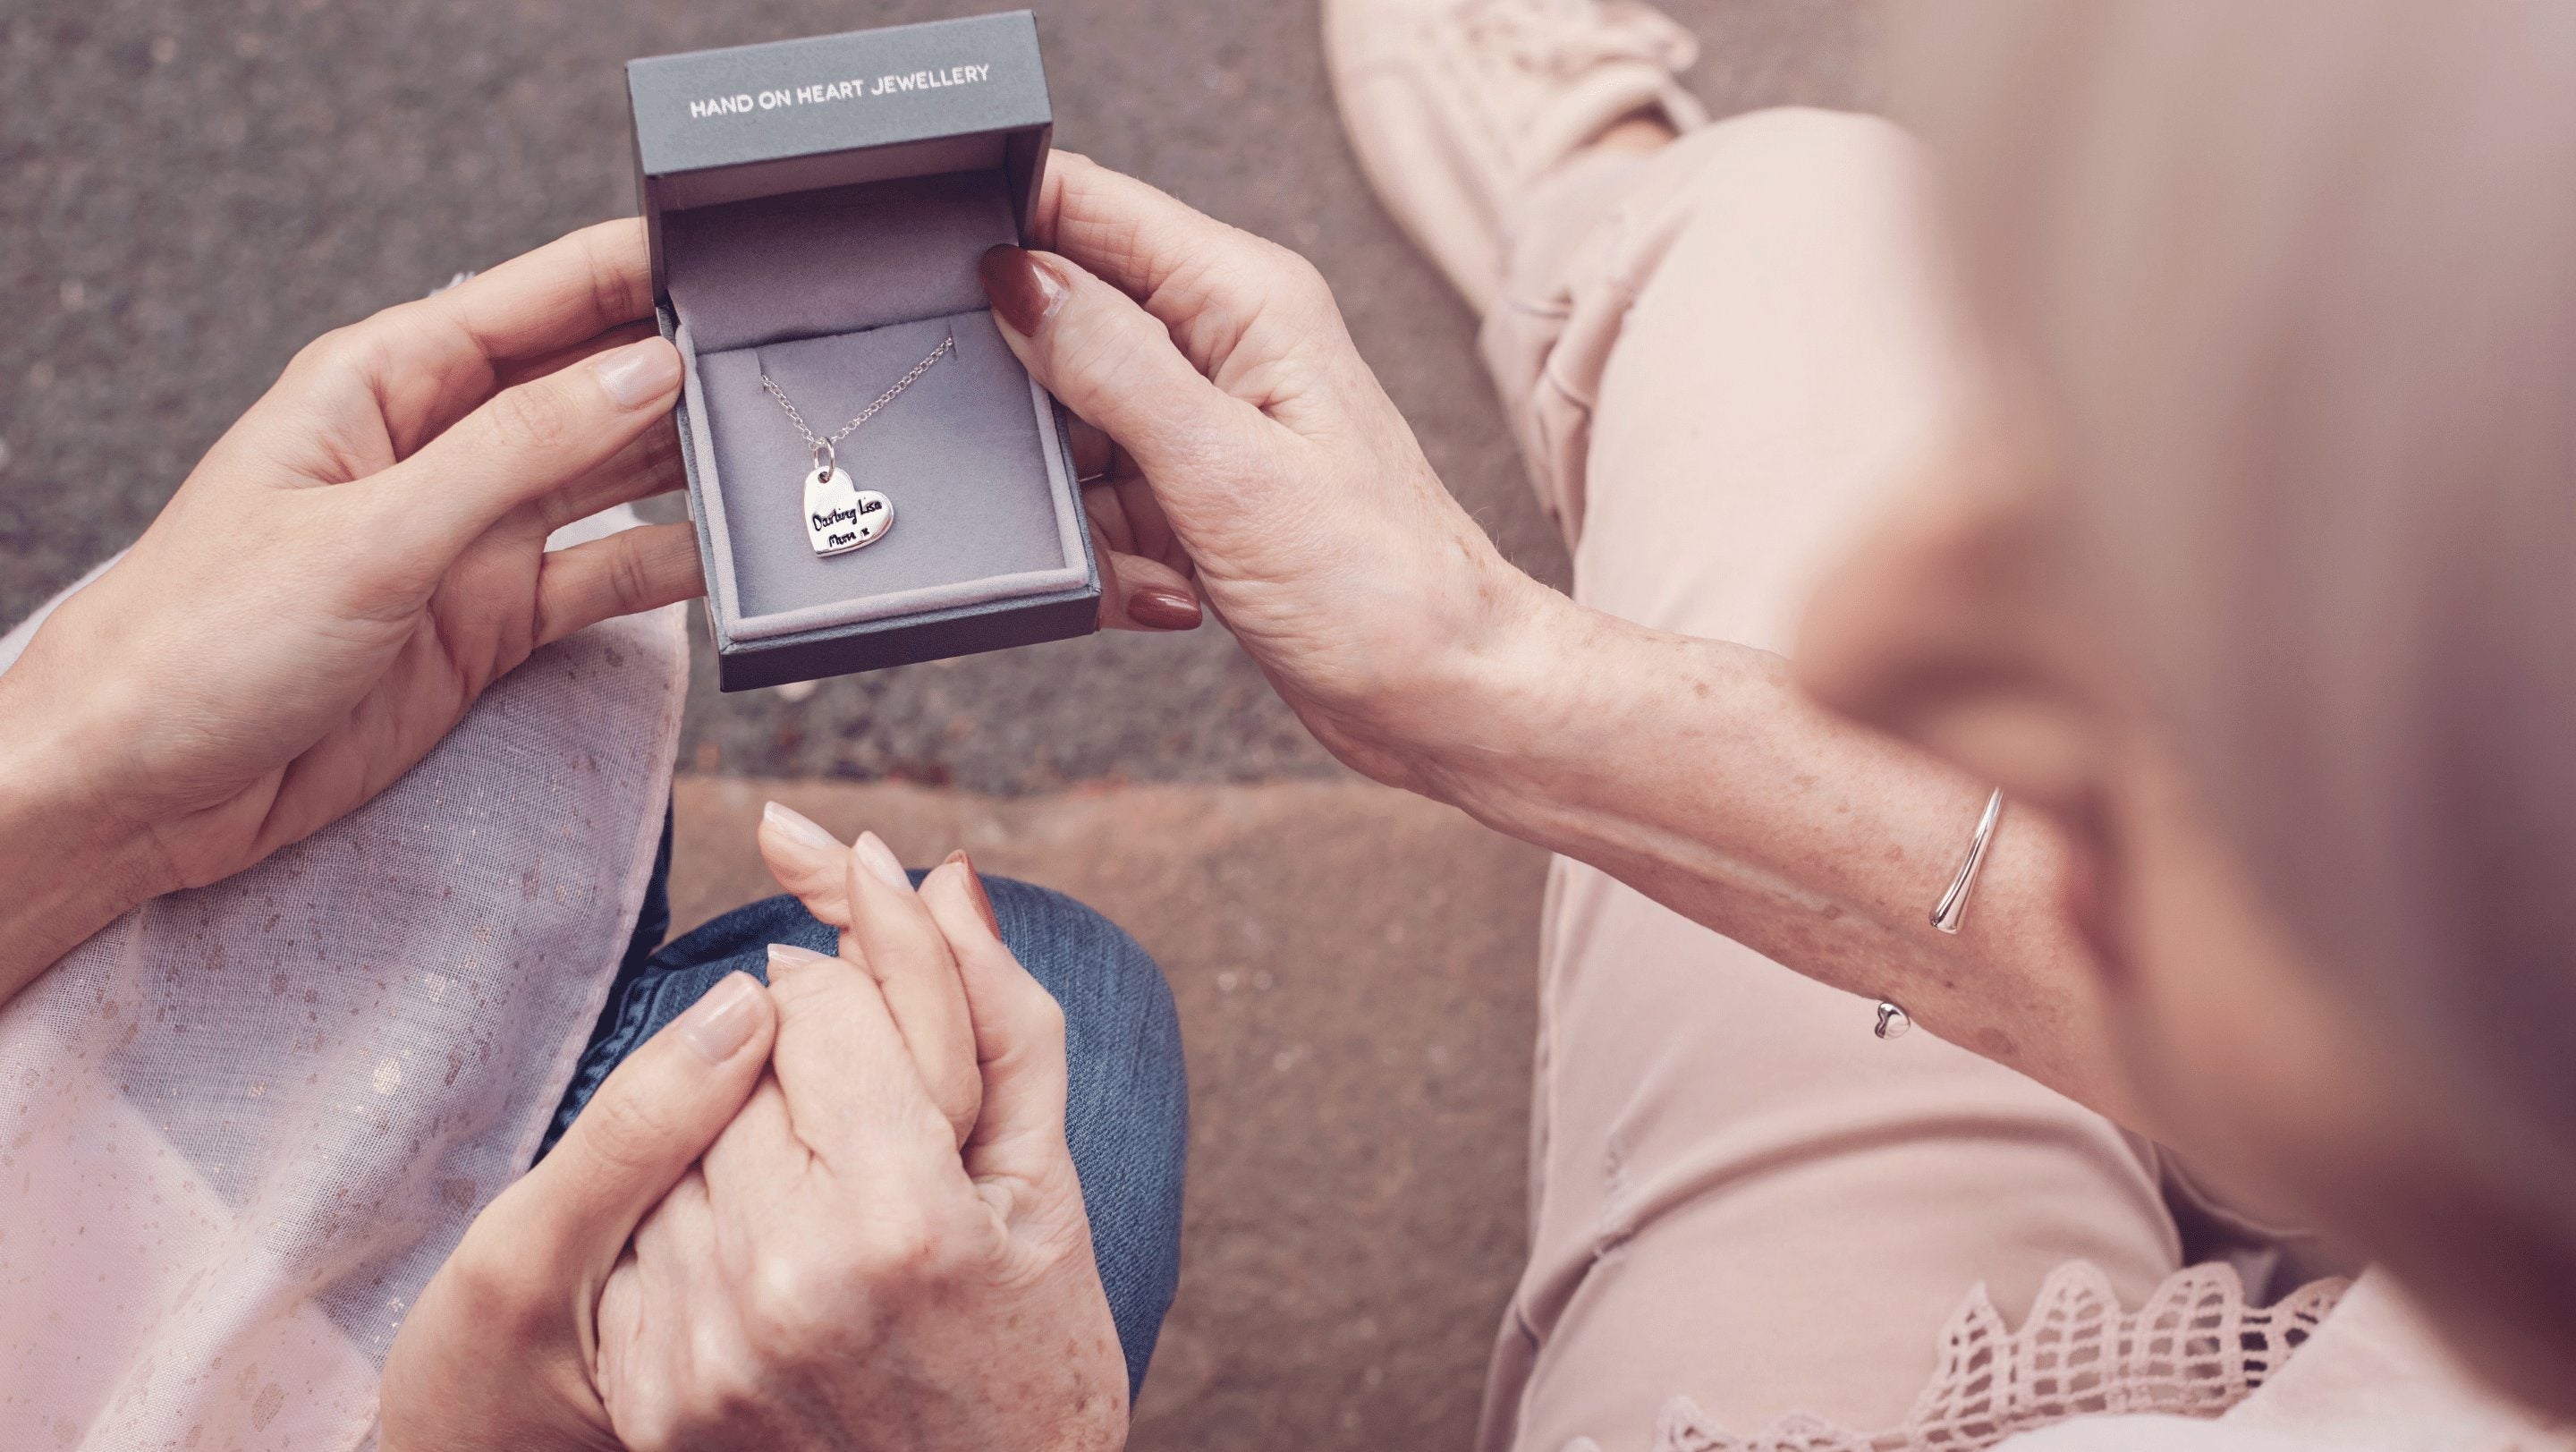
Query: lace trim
(2194,1349)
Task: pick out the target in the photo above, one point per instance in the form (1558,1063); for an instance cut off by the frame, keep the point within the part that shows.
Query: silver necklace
(839,516)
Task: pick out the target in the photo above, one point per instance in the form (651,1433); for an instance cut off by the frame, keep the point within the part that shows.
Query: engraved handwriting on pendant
(840,517)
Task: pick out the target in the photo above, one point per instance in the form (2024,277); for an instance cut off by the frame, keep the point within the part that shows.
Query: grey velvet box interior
(836,294)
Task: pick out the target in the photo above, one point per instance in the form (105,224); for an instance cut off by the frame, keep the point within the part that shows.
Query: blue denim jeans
(1127,1116)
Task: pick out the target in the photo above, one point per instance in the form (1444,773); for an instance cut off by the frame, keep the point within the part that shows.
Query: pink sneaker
(1456,106)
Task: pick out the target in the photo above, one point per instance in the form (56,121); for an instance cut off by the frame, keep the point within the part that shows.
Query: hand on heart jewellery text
(840,516)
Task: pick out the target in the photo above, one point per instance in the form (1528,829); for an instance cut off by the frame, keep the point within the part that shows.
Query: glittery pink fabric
(241,1127)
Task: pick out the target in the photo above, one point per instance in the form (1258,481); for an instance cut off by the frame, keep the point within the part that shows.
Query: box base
(749,667)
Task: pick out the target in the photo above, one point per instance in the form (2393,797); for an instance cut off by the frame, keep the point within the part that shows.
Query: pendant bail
(826,458)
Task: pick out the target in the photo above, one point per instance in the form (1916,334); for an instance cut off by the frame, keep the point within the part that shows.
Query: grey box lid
(871,88)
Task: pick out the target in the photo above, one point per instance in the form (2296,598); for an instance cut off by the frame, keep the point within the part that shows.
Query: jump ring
(826,458)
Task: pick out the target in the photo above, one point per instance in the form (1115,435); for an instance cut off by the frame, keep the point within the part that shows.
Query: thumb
(648,1123)
(1114,365)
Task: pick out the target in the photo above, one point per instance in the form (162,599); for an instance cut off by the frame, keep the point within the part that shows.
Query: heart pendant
(840,517)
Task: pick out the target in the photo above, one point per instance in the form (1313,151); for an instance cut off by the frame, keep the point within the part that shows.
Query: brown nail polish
(1025,288)
(1160,607)
(975,889)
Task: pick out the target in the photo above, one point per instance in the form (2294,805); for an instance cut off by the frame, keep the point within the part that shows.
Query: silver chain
(825,451)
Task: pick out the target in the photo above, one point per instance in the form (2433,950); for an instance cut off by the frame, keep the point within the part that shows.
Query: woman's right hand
(1257,451)
(1255,447)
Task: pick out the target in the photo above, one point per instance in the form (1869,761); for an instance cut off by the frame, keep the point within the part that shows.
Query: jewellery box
(817,210)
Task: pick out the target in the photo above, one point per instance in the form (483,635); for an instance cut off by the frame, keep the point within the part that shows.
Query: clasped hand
(836,1212)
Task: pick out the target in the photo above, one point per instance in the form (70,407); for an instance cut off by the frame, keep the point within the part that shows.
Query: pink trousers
(1716,357)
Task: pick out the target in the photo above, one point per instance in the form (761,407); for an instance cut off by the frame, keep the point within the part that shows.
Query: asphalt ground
(193,190)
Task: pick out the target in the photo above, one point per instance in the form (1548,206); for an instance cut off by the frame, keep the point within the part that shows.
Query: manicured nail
(720,1023)
(639,373)
(878,858)
(1025,288)
(975,889)
(1160,607)
(789,956)
(799,828)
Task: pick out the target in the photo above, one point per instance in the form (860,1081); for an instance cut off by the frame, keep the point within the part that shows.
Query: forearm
(1697,773)
(68,864)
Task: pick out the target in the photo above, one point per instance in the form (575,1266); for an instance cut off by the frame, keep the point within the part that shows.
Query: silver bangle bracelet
(1951,912)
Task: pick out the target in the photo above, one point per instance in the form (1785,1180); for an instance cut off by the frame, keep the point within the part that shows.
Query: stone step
(1354,969)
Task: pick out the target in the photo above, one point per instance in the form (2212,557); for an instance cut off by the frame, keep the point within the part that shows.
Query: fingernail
(975,890)
(720,1023)
(639,373)
(878,858)
(1025,288)
(799,828)
(788,955)
(1160,607)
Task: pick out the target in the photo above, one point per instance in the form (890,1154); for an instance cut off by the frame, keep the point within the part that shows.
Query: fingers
(646,467)
(514,371)
(1093,453)
(428,362)
(758,1157)
(1226,295)
(640,1365)
(555,297)
(647,1124)
(1019,1029)
(885,929)
(808,861)
(896,941)
(524,443)
(1142,594)
(846,1076)
(1145,578)
(1143,241)
(1123,508)
(1113,364)
(626,573)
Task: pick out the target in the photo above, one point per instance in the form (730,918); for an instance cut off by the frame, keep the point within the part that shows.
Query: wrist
(1497,696)
(70,861)
(1571,719)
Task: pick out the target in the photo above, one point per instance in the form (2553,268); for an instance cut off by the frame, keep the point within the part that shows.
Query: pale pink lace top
(2195,1369)
(2194,1348)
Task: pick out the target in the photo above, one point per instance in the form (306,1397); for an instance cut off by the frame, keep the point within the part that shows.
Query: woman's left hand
(349,567)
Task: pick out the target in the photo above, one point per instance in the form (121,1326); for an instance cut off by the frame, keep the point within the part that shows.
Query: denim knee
(1127,1107)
